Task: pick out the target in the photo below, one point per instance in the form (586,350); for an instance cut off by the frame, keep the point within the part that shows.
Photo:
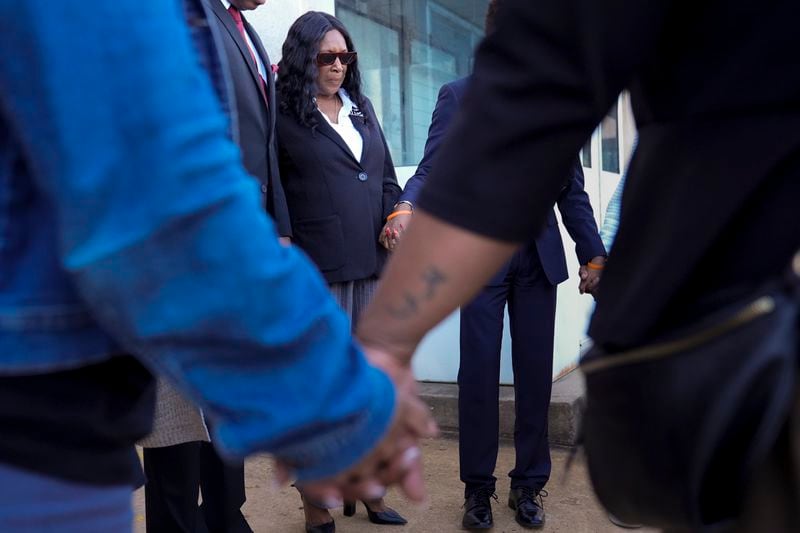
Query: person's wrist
(596,263)
(403,205)
(399,212)
(377,339)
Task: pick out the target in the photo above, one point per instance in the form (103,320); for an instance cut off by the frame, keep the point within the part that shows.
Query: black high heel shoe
(327,527)
(389,517)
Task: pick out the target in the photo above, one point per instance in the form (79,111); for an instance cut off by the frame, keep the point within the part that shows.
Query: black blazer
(338,205)
(256,122)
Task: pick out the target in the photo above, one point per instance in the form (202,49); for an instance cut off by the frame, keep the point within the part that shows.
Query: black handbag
(674,430)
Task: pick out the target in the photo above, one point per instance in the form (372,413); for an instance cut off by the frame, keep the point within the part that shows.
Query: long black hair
(298,71)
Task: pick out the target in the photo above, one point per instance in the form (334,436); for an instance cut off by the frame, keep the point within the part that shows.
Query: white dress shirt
(261,67)
(345,128)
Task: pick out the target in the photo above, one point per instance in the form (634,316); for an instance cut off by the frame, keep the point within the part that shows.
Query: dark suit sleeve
(277,206)
(276,202)
(578,217)
(446,107)
(542,83)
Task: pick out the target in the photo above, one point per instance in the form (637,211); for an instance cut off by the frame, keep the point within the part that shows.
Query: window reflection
(586,153)
(609,140)
(407,49)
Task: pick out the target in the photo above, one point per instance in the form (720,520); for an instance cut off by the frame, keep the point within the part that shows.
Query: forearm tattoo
(432,278)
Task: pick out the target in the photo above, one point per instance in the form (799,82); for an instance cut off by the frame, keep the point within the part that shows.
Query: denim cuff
(336,450)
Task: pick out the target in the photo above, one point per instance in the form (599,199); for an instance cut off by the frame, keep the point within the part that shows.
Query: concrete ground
(571,506)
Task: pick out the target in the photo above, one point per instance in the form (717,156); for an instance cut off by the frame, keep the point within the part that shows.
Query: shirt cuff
(596,250)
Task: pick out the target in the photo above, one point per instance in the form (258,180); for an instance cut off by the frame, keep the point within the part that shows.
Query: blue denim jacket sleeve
(162,232)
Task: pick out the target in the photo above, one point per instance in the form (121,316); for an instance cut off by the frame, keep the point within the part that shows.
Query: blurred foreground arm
(161,232)
(437,267)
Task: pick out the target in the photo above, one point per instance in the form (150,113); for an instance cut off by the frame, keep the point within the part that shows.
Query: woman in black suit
(338,178)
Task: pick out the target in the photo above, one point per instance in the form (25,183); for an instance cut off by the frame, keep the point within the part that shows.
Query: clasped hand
(396,460)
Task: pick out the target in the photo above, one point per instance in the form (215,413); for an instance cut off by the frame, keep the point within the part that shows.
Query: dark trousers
(222,486)
(173,484)
(531,307)
(175,476)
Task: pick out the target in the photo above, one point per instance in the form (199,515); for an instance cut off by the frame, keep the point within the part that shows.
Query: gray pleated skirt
(354,296)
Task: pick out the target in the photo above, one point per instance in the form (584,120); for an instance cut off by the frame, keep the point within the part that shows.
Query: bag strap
(758,307)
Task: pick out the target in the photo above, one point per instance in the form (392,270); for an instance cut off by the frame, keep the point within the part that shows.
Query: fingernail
(374,491)
(409,456)
(332,503)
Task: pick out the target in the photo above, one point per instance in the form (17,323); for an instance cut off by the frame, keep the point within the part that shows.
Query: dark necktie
(237,18)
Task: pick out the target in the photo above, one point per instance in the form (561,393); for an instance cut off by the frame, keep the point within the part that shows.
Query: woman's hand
(396,459)
(393,229)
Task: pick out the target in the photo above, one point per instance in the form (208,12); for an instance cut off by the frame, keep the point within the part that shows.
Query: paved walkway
(571,506)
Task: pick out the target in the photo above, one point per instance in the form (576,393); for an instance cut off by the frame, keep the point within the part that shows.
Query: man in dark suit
(174,471)
(254,91)
(528,284)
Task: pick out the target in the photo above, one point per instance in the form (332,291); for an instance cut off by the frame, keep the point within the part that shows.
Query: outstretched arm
(155,219)
(578,216)
(437,268)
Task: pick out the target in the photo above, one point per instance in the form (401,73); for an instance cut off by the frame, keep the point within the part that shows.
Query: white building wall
(272,20)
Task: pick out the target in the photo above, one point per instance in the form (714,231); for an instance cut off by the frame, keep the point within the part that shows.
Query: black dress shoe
(478,509)
(327,527)
(527,502)
(388,517)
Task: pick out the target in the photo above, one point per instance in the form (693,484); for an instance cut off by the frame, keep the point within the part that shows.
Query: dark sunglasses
(325,59)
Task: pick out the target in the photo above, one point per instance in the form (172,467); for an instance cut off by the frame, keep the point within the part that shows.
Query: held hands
(396,459)
(396,223)
(590,275)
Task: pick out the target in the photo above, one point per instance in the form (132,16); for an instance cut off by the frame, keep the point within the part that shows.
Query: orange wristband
(594,266)
(398,213)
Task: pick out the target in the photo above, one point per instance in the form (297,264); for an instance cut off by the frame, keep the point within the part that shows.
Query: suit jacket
(573,202)
(254,116)
(338,205)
